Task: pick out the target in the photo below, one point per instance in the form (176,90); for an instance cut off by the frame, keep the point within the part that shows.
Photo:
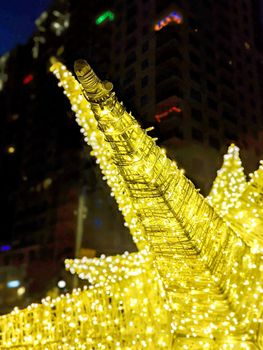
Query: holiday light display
(110,269)
(246,217)
(229,183)
(194,284)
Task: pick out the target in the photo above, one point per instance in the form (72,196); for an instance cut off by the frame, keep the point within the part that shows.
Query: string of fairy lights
(196,282)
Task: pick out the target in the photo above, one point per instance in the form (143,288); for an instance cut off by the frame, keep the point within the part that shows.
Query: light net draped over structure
(229,183)
(196,282)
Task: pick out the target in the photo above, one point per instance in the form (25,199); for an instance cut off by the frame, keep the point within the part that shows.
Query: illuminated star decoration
(205,280)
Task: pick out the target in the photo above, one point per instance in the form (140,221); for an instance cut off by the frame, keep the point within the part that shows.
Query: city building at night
(197,79)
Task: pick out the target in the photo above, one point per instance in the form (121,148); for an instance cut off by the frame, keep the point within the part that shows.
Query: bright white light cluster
(110,269)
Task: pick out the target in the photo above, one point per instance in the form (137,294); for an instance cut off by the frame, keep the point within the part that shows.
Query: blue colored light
(5,248)
(13,284)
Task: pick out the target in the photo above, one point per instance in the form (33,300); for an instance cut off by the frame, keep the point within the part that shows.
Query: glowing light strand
(172,17)
(163,115)
(207,293)
(107,15)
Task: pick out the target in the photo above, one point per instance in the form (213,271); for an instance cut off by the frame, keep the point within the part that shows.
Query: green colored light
(104,16)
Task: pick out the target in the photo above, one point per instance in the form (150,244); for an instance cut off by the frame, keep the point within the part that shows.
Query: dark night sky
(17,19)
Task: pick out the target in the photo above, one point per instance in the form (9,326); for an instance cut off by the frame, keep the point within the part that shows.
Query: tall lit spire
(195,285)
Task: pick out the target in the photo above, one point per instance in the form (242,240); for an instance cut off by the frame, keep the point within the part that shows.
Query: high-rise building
(196,78)
(45,167)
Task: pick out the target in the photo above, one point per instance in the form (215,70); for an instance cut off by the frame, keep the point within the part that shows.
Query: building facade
(198,80)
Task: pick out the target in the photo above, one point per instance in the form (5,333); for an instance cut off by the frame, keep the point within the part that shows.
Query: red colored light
(27,79)
(160,116)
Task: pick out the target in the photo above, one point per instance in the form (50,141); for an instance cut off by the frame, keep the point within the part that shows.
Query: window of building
(130,58)
(251,88)
(229,135)
(229,116)
(193,23)
(209,36)
(196,95)
(131,26)
(210,52)
(197,134)
(144,81)
(6,260)
(194,58)
(145,46)
(130,92)
(213,123)
(117,66)
(244,5)
(178,133)
(196,114)
(129,76)
(252,102)
(211,86)
(257,151)
(193,40)
(244,128)
(131,11)
(145,64)
(245,18)
(131,42)
(144,29)
(171,88)
(248,59)
(144,100)
(195,76)
(229,99)
(226,82)
(212,104)
(210,68)
(213,142)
